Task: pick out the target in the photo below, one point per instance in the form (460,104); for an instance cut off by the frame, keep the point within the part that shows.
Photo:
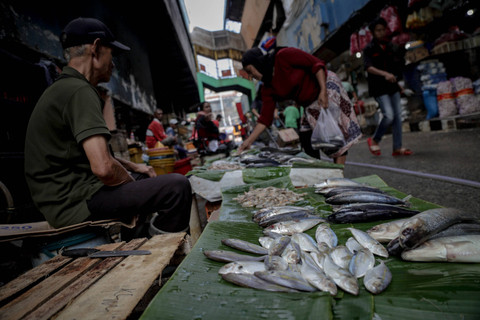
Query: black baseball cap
(85,30)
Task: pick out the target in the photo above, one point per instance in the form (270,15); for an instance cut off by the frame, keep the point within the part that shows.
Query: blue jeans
(392,116)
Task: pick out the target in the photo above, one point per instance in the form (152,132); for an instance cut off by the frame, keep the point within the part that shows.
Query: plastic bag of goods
(327,134)
(390,15)
(466,100)
(446,99)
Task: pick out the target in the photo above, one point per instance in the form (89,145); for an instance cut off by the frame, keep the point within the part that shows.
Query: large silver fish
(295,215)
(293,226)
(326,235)
(360,188)
(245,246)
(252,281)
(368,242)
(421,226)
(451,249)
(229,256)
(242,267)
(273,211)
(342,278)
(288,279)
(378,278)
(361,261)
(336,182)
(278,246)
(364,197)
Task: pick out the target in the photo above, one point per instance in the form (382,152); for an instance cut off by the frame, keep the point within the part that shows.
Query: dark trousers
(169,195)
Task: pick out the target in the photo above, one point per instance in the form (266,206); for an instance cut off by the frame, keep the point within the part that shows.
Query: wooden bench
(91,288)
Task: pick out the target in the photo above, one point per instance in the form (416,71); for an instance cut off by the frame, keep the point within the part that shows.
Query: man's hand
(390,77)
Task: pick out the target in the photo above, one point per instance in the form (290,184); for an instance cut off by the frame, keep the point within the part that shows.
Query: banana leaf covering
(417,291)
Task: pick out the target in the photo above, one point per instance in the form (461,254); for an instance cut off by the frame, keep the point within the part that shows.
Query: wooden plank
(32,276)
(42,292)
(117,293)
(59,301)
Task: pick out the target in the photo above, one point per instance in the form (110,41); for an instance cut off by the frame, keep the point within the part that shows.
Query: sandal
(374,149)
(402,152)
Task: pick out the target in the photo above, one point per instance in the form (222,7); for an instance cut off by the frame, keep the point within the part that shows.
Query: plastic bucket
(163,169)
(430,101)
(182,166)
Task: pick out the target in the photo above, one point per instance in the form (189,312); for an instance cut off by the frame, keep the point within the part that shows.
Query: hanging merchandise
(354,47)
(390,14)
(364,37)
(446,99)
(466,100)
(401,39)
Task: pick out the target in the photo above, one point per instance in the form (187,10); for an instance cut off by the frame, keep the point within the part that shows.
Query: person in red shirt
(290,73)
(156,132)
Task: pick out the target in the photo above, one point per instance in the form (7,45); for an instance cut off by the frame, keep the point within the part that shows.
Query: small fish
(242,267)
(278,246)
(228,256)
(342,278)
(288,279)
(296,215)
(319,258)
(265,242)
(364,197)
(361,261)
(245,246)
(292,253)
(353,245)
(451,249)
(252,281)
(318,279)
(368,242)
(387,231)
(378,278)
(272,211)
(293,226)
(305,242)
(275,263)
(341,255)
(325,234)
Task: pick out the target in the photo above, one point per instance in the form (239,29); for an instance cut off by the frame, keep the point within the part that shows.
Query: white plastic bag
(327,134)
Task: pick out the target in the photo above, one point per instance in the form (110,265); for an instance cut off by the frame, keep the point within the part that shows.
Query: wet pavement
(451,156)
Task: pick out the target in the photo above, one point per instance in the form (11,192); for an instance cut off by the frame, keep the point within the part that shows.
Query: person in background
(69,168)
(217,120)
(156,132)
(292,115)
(290,73)
(383,66)
(172,132)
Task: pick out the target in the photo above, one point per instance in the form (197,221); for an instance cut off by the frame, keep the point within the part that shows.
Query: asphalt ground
(447,155)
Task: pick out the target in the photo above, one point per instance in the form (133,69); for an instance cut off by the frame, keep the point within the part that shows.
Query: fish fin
(407,199)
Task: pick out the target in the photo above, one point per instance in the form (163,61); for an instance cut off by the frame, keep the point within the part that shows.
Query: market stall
(417,289)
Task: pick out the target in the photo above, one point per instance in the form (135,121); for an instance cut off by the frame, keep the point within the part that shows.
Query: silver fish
(305,242)
(278,246)
(265,242)
(318,279)
(366,212)
(353,245)
(378,278)
(342,278)
(228,256)
(273,211)
(319,258)
(385,232)
(293,226)
(364,197)
(292,253)
(421,226)
(361,261)
(368,242)
(295,215)
(360,188)
(325,234)
(288,279)
(275,263)
(242,267)
(458,229)
(245,246)
(252,281)
(336,182)
(341,255)
(451,249)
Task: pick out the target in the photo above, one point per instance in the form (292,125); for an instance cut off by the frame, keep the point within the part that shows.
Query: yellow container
(163,169)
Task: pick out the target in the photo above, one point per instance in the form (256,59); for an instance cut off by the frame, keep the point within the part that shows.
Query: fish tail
(407,200)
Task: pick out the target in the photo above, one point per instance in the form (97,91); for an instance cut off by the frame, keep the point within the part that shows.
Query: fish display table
(90,288)
(418,290)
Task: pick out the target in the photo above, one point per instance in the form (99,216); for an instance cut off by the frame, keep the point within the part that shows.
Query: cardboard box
(287,137)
